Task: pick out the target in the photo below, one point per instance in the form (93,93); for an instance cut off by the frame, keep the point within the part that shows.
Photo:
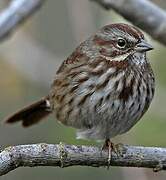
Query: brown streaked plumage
(103,88)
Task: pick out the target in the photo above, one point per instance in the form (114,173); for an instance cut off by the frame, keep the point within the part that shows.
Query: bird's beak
(143,46)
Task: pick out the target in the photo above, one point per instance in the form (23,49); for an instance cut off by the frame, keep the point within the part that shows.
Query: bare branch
(69,155)
(141,13)
(17,12)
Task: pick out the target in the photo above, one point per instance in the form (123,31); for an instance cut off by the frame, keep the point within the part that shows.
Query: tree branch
(17,12)
(141,13)
(69,155)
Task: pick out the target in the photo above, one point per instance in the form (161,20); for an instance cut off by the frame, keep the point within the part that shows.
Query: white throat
(139,58)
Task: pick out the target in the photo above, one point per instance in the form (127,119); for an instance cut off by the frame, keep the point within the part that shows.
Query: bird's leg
(110,147)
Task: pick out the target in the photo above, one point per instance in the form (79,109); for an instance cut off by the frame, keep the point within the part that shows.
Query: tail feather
(31,114)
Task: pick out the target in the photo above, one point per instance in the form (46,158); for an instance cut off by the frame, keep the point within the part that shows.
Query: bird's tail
(31,114)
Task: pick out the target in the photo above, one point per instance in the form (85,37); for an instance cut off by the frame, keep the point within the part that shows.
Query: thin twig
(70,155)
(17,12)
(142,13)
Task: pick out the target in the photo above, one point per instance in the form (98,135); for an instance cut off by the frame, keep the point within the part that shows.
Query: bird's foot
(111,147)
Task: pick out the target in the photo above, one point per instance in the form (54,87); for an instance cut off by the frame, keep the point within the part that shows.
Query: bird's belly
(109,120)
(104,117)
(103,113)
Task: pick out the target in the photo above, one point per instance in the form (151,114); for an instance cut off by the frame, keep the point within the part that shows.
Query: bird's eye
(121,43)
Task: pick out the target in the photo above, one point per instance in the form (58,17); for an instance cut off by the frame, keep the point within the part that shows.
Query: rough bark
(142,13)
(70,155)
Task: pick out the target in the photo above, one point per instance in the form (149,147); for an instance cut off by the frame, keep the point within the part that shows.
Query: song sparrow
(103,88)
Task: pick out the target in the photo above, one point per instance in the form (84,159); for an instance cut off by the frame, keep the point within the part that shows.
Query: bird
(102,89)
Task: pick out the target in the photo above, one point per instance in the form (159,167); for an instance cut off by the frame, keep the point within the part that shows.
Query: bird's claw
(111,147)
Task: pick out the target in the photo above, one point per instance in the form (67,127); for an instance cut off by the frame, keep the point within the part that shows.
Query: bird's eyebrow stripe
(100,41)
(124,34)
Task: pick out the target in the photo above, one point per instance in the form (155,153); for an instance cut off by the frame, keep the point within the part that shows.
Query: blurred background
(28,62)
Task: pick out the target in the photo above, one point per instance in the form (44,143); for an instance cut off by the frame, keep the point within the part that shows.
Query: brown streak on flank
(139,85)
(91,86)
(99,103)
(61,68)
(82,101)
(139,82)
(147,100)
(146,105)
(132,105)
(57,82)
(96,62)
(77,66)
(116,85)
(152,90)
(98,72)
(64,85)
(107,98)
(139,92)
(73,88)
(58,114)
(76,75)
(76,57)
(148,89)
(102,85)
(60,98)
(127,91)
(70,102)
(69,112)
(83,79)
(73,74)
